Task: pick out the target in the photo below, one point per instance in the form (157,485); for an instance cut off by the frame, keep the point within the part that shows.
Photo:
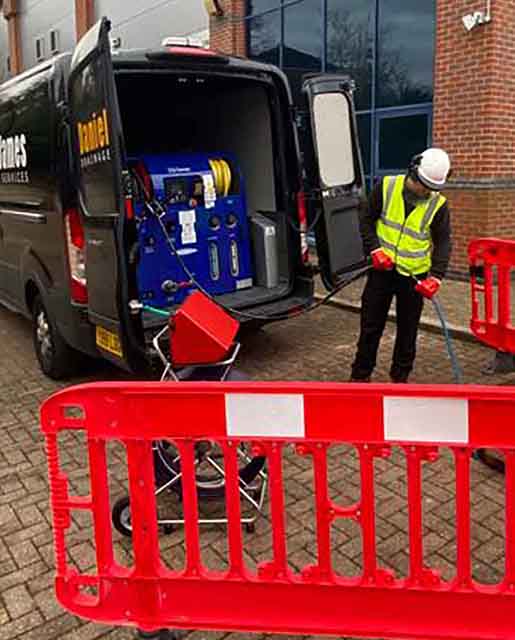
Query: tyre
(56,358)
(121,517)
(491,458)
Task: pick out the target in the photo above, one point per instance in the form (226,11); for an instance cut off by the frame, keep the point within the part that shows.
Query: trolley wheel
(121,517)
(491,459)
(250,527)
(168,529)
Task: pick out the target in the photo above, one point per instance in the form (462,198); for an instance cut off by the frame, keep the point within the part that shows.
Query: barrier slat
(323,513)
(143,507)
(462,458)
(233,507)
(279,567)
(275,597)
(415,515)
(510,518)
(101,505)
(190,499)
(367,514)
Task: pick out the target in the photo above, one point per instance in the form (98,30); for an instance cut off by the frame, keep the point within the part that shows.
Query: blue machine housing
(209,231)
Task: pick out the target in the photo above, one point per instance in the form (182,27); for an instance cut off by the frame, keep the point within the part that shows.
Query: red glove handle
(428,287)
(381,261)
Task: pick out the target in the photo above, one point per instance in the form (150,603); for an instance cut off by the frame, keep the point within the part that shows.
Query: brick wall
(474,119)
(228,32)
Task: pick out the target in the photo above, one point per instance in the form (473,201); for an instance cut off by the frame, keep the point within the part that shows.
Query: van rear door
(97,141)
(335,175)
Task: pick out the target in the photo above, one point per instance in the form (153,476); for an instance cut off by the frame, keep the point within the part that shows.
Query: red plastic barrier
(491,262)
(316,600)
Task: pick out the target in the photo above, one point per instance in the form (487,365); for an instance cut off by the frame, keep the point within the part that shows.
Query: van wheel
(56,358)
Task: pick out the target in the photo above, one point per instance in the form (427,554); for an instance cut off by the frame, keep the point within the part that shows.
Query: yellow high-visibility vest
(407,239)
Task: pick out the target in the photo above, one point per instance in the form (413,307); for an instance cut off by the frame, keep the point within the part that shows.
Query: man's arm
(442,246)
(370,212)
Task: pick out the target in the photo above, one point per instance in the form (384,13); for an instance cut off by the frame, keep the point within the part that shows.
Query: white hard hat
(432,168)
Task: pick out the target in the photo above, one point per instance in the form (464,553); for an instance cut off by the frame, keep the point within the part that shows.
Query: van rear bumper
(77,331)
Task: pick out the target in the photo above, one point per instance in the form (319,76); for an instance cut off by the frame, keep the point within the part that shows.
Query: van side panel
(33,197)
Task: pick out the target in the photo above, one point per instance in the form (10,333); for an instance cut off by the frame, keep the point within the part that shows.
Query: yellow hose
(222,176)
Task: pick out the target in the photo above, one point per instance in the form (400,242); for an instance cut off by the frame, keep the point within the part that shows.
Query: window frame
(374,112)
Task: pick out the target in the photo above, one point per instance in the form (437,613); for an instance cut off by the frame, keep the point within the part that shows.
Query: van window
(334,139)
(27,143)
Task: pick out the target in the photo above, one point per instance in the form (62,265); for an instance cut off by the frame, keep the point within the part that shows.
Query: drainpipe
(84,16)
(9,8)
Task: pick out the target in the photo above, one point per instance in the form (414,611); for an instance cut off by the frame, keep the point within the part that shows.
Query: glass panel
(303,35)
(265,37)
(295,77)
(406,52)
(334,139)
(258,6)
(364,124)
(349,43)
(400,139)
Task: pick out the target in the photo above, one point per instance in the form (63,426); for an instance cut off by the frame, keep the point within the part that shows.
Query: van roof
(146,58)
(198,56)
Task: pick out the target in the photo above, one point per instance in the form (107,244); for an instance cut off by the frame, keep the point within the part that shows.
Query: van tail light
(303,223)
(145,181)
(76,246)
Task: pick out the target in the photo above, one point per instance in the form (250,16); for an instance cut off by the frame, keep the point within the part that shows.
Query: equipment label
(187,221)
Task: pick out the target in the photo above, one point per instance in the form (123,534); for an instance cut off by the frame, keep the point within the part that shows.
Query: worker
(405,227)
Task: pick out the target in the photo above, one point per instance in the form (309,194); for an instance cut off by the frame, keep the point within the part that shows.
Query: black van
(67,130)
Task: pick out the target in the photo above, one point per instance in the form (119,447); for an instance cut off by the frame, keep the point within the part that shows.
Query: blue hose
(457,371)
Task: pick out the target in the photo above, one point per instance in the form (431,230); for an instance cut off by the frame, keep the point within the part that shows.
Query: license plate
(109,341)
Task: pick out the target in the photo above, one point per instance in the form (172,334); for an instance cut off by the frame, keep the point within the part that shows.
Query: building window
(406,35)
(259,6)
(40,49)
(385,46)
(54,42)
(265,38)
(350,44)
(400,138)
(302,46)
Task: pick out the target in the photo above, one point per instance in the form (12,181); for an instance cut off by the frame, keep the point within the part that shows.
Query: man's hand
(428,287)
(381,261)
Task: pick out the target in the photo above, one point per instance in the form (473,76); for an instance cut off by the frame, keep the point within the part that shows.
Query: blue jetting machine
(204,212)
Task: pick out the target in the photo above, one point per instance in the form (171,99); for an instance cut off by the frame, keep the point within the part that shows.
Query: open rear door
(97,142)
(335,175)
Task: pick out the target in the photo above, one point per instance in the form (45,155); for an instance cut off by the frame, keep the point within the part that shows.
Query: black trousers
(381,288)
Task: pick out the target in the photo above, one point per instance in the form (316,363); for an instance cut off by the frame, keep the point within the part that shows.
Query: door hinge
(298,116)
(127,184)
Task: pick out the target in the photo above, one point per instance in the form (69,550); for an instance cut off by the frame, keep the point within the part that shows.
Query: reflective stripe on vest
(407,239)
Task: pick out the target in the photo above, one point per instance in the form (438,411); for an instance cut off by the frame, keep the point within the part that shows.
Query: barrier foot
(502,362)
(162,634)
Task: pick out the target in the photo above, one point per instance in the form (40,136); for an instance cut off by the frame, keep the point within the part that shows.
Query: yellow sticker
(109,341)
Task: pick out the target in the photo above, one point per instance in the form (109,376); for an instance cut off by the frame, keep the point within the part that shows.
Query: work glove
(381,261)
(428,287)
